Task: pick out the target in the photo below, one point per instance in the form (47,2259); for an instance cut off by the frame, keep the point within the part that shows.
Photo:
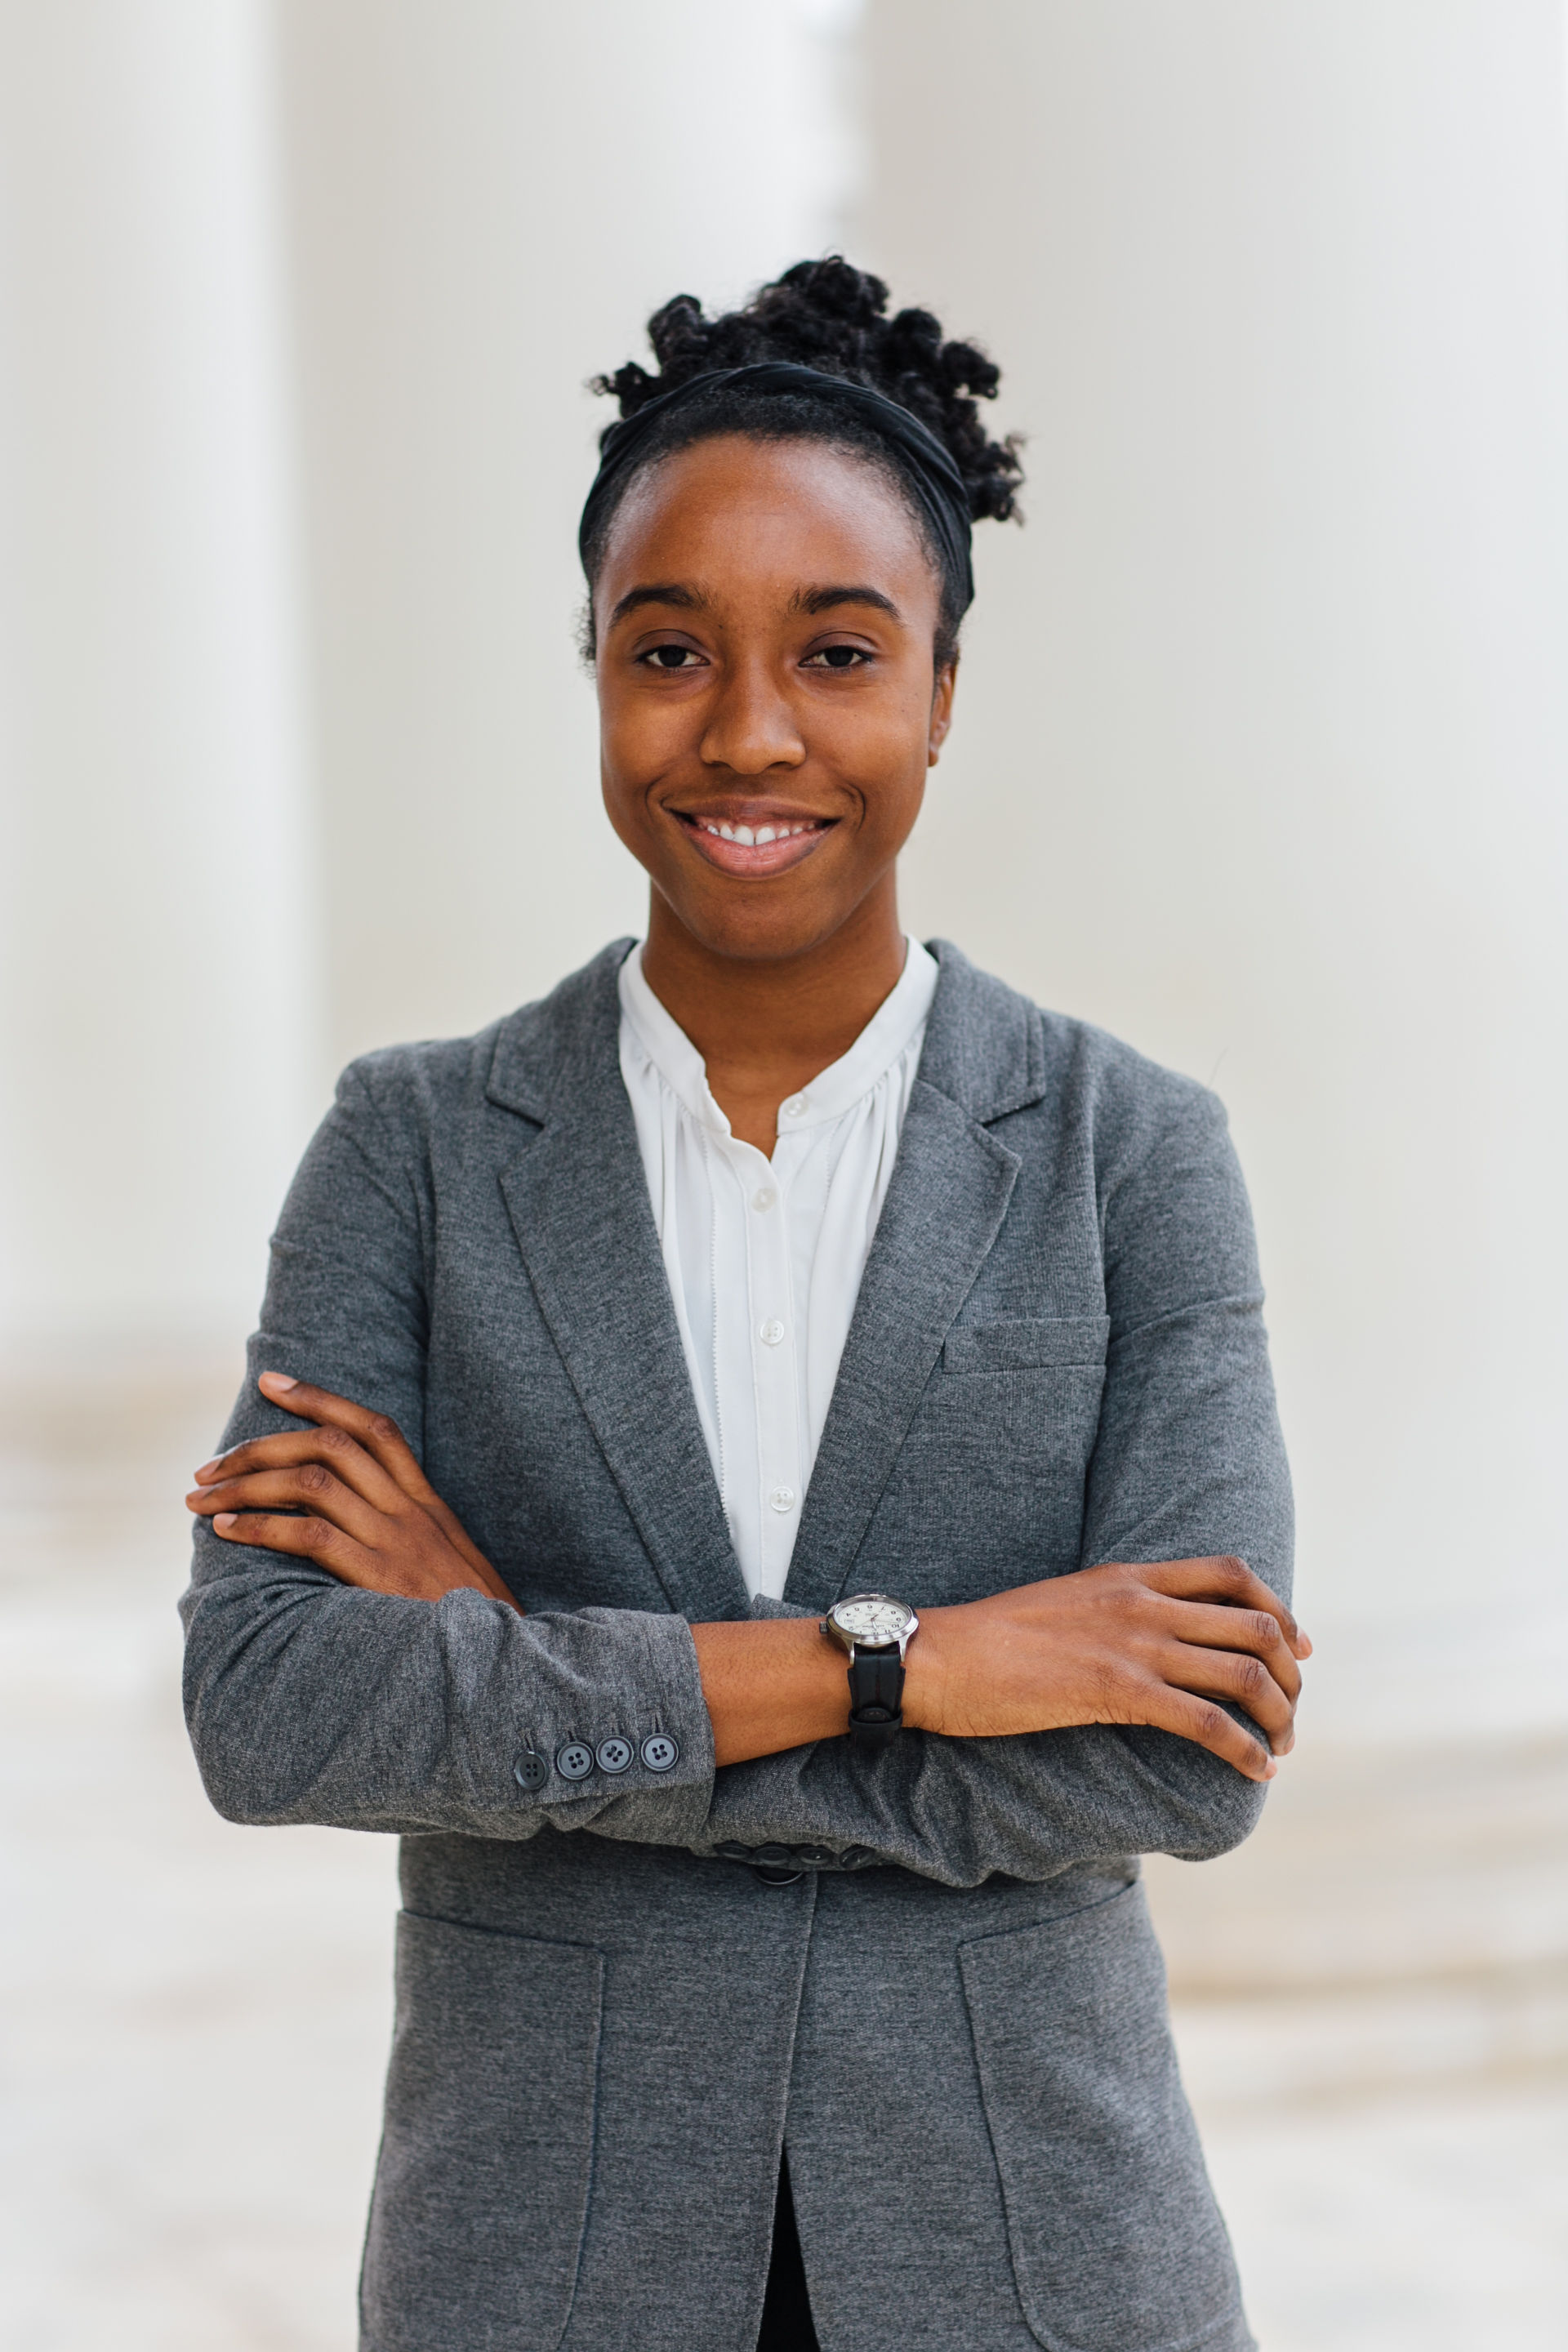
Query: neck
(766,1026)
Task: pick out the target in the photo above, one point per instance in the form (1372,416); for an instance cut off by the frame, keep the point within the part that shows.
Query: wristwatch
(876,1631)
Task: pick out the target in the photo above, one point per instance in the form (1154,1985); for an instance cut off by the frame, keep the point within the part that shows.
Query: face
(766,612)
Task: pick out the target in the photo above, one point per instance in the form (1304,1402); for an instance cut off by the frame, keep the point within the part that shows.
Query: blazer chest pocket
(1117,2242)
(481,2191)
(1078,1342)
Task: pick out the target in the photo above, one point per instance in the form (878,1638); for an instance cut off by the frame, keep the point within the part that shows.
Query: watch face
(872,1618)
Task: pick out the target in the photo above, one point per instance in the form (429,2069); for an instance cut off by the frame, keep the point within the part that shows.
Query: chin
(753,934)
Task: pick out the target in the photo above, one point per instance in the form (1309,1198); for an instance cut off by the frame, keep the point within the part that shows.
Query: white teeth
(743,833)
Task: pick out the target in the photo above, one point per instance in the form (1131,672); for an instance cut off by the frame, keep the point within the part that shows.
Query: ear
(941,711)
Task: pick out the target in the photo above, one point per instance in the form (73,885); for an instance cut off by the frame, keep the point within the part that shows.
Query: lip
(753,860)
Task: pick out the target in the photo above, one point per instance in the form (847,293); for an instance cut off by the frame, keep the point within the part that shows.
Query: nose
(751,726)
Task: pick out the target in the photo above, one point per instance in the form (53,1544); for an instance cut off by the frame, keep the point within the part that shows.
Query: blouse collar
(887,1036)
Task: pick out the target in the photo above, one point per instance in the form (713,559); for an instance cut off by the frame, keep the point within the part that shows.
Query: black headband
(925,464)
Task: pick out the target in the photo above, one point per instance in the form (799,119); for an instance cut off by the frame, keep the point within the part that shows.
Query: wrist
(927,1666)
(769,1685)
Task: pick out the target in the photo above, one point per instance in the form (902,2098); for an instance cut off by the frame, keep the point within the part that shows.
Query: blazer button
(817,1855)
(574,1763)
(614,1754)
(530,1771)
(776,1855)
(659,1752)
(854,1855)
(733,1852)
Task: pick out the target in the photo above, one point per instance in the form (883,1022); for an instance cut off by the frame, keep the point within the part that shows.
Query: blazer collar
(578,1201)
(545,1050)
(984,1045)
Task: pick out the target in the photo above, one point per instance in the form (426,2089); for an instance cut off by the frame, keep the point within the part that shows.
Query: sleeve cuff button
(659,1752)
(574,1763)
(530,1772)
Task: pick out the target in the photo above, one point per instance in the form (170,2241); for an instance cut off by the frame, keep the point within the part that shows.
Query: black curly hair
(830,316)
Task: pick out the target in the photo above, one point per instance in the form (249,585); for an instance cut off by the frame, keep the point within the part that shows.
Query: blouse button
(765,1197)
(771,1332)
(795,1108)
(783,1499)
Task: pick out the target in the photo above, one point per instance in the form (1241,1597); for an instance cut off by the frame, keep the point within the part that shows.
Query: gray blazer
(607,2024)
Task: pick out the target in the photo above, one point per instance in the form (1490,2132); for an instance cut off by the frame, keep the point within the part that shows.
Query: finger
(308,1488)
(333,1449)
(1199,1720)
(376,1432)
(367,1450)
(1244,1680)
(305,1538)
(1225,1579)
(1207,1626)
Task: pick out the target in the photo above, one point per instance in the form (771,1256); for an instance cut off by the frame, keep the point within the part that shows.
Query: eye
(670,657)
(836,658)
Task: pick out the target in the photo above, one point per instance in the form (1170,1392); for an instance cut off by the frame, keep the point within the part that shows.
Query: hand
(1117,1644)
(367,1512)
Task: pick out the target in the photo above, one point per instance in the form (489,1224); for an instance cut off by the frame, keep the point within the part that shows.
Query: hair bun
(829,315)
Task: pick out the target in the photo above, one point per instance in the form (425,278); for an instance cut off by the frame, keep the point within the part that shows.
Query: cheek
(633,729)
(884,752)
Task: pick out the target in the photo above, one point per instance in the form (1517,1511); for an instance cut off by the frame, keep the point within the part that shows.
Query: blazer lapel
(952,1182)
(577,1198)
(949,1193)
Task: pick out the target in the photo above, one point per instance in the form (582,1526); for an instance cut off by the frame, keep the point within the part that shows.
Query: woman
(747,1471)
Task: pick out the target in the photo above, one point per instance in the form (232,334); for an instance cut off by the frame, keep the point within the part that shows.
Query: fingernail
(224,1520)
(207,1469)
(278,1381)
(1269,1770)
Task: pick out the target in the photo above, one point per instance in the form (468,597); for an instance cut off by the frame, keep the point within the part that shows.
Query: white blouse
(764,1256)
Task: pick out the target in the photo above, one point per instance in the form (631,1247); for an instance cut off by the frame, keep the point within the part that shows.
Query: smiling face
(766,612)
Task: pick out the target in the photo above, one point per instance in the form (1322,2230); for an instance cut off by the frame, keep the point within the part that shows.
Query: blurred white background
(1260,761)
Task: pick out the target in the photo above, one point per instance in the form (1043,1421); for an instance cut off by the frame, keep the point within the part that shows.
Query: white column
(1263,730)
(155,936)
(486,202)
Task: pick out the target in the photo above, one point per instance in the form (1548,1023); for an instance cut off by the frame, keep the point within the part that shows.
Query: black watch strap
(876,1696)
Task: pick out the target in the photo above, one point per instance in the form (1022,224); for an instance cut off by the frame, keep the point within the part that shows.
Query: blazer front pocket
(1117,2242)
(1029,1344)
(481,2191)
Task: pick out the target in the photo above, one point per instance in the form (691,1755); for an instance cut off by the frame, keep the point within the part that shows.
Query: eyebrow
(824,600)
(805,600)
(667,591)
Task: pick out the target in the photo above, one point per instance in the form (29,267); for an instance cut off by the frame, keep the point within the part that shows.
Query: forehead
(731,510)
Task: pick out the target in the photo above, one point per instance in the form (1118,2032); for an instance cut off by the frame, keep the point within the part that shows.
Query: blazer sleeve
(1188,1461)
(308,1700)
